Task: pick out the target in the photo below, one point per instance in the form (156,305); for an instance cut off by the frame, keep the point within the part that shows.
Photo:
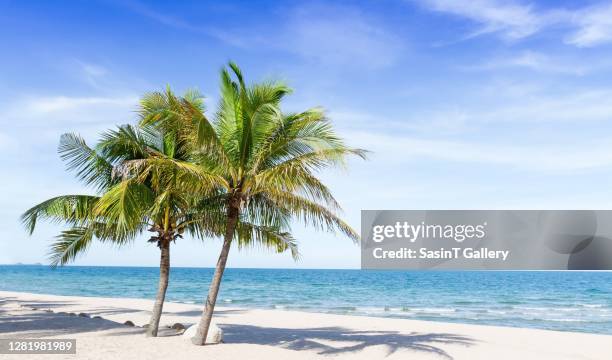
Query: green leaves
(178,171)
(69,209)
(69,244)
(276,156)
(91,167)
(125,206)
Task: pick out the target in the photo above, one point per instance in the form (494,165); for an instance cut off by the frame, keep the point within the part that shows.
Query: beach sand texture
(274,334)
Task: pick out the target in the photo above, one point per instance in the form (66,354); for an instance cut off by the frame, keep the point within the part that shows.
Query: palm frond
(71,209)
(251,235)
(91,167)
(69,244)
(311,213)
(128,142)
(125,206)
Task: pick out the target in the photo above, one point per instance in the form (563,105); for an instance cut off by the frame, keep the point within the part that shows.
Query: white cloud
(594,26)
(510,106)
(540,131)
(339,35)
(534,61)
(50,116)
(578,107)
(511,20)
(163,18)
(93,69)
(399,149)
(93,74)
(325,34)
(328,34)
(54,104)
(344,35)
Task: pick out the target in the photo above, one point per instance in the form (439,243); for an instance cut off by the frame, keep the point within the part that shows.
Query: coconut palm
(267,160)
(145,180)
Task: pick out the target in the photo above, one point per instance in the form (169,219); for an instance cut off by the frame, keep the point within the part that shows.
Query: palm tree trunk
(164,275)
(209,307)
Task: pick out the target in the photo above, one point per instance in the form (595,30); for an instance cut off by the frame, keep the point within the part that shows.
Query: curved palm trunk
(164,275)
(209,307)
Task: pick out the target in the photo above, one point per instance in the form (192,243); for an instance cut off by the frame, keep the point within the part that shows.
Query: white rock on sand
(215,333)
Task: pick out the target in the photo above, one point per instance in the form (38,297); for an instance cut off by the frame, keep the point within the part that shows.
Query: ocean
(566,301)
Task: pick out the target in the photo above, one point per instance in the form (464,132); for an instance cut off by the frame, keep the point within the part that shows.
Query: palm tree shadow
(318,339)
(43,324)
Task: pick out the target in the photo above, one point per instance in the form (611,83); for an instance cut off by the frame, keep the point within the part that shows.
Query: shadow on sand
(40,321)
(321,339)
(52,324)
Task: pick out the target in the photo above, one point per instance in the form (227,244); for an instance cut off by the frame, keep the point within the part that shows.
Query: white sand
(275,334)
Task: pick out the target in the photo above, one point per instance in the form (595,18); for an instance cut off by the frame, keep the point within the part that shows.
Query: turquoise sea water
(569,301)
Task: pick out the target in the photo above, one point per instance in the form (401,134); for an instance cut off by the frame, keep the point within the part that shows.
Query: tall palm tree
(145,179)
(267,159)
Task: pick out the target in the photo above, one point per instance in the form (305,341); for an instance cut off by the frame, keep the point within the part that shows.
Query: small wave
(568,320)
(467,302)
(596,291)
(227,300)
(593,305)
(539,310)
(435,310)
(510,302)
(481,311)
(498,312)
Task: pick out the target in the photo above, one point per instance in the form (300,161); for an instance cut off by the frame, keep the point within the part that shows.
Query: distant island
(22,264)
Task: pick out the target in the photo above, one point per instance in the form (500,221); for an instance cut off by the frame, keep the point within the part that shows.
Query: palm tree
(267,160)
(145,179)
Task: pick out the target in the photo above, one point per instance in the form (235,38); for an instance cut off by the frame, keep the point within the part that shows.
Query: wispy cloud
(594,26)
(163,18)
(548,158)
(328,34)
(504,105)
(93,74)
(535,130)
(514,20)
(511,20)
(339,35)
(47,105)
(535,61)
(579,106)
(105,101)
(51,116)
(325,34)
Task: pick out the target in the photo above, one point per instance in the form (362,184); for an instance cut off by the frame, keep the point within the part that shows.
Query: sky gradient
(476,104)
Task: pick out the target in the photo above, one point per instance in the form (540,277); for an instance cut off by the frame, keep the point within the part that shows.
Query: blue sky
(478,104)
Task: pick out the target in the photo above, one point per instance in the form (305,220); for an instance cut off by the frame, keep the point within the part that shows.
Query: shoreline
(278,334)
(356,312)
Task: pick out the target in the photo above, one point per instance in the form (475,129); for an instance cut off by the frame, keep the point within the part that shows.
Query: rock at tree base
(215,333)
(178,326)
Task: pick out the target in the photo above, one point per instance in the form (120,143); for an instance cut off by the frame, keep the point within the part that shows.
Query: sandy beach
(274,334)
